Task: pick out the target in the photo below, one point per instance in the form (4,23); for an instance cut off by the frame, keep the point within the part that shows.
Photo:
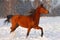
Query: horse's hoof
(41,35)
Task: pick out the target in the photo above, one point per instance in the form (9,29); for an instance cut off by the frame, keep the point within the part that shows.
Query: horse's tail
(8,18)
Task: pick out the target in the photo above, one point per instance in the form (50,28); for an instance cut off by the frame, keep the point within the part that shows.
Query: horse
(28,22)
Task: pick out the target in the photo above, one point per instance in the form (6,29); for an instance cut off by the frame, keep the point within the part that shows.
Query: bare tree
(11,6)
(35,3)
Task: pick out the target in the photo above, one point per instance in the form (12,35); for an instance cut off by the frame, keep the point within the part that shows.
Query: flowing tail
(8,18)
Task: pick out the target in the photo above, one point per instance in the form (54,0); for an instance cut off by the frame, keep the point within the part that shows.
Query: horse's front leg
(28,32)
(14,26)
(37,27)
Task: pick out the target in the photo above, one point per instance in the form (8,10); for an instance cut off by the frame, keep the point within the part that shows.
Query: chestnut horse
(28,22)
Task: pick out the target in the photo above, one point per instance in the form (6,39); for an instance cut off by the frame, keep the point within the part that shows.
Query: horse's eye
(44,7)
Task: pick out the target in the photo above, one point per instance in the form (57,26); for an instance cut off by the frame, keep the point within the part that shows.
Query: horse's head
(41,9)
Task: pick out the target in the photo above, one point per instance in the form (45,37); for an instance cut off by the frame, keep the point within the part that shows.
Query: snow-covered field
(51,26)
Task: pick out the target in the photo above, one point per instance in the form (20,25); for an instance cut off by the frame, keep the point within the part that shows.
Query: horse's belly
(24,23)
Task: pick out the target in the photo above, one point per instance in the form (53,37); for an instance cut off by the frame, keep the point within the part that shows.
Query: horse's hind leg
(37,27)
(14,27)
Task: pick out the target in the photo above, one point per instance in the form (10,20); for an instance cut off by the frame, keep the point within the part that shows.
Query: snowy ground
(51,26)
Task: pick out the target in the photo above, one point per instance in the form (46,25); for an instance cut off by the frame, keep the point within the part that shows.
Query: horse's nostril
(48,11)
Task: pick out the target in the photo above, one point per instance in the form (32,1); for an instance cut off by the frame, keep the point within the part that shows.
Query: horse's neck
(36,17)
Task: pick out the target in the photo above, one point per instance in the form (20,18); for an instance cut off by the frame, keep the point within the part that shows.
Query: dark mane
(32,12)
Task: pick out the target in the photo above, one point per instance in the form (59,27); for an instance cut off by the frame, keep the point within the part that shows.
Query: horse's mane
(33,12)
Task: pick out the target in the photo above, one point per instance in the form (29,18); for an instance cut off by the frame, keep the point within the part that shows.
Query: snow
(51,26)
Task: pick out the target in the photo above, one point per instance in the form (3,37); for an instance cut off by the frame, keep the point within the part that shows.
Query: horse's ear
(42,5)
